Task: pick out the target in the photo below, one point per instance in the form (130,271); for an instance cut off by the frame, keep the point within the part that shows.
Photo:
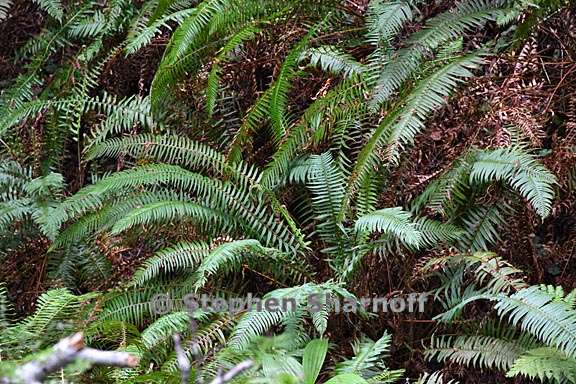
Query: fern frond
(93,196)
(326,183)
(254,118)
(367,355)
(136,306)
(476,351)
(4,9)
(400,126)
(434,378)
(256,323)
(434,232)
(89,26)
(519,169)
(368,193)
(537,313)
(387,377)
(54,309)
(104,218)
(496,274)
(448,191)
(558,294)
(384,19)
(281,87)
(545,364)
(122,115)
(173,149)
(489,271)
(14,210)
(166,211)
(161,330)
(482,226)
(212,85)
(442,28)
(182,53)
(333,60)
(230,205)
(143,37)
(227,257)
(180,256)
(428,95)
(79,266)
(394,221)
(52,7)
(301,133)
(205,340)
(185,35)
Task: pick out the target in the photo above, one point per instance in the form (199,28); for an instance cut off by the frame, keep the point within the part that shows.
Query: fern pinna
(176,168)
(543,348)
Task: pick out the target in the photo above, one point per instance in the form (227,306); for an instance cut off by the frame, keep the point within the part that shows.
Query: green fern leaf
(545,364)
(531,179)
(367,354)
(394,221)
(52,7)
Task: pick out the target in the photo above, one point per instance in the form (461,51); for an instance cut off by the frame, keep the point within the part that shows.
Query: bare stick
(235,371)
(65,352)
(107,358)
(183,361)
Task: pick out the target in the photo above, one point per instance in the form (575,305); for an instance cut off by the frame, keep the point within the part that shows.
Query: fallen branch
(235,371)
(184,365)
(183,361)
(65,352)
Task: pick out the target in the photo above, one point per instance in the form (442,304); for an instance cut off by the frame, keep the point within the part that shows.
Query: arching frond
(122,115)
(385,19)
(52,7)
(333,60)
(301,133)
(163,328)
(545,364)
(434,232)
(482,226)
(166,211)
(400,125)
(228,257)
(477,351)
(537,313)
(281,86)
(519,169)
(367,356)
(54,309)
(173,149)
(185,35)
(293,304)
(442,28)
(394,221)
(326,183)
(178,257)
(104,219)
(145,35)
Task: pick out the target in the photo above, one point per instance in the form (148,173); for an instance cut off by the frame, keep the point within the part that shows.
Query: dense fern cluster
(171,178)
